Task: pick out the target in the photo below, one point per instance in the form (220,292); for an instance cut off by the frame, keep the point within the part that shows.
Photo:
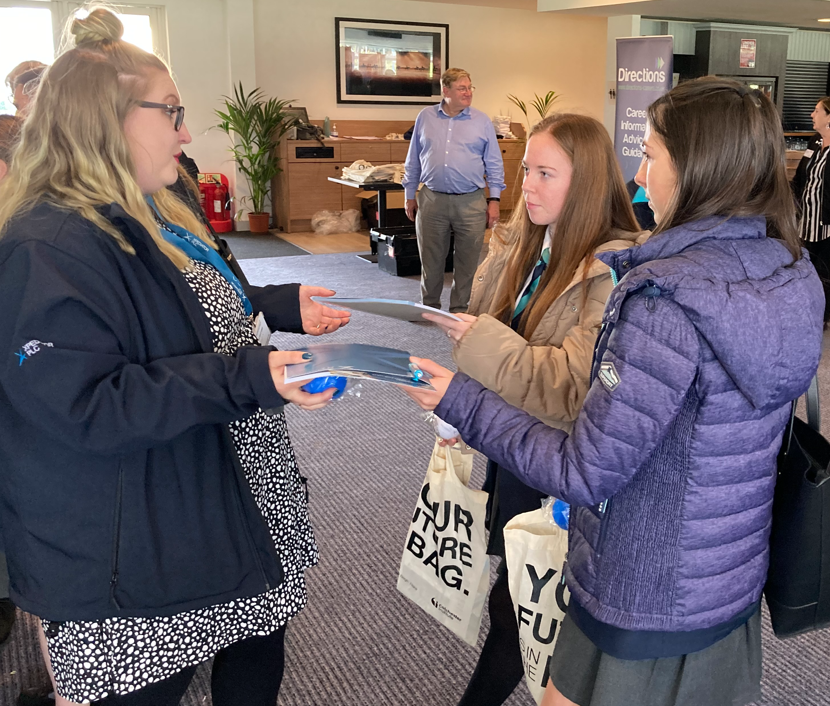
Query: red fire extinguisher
(215,200)
(220,203)
(206,189)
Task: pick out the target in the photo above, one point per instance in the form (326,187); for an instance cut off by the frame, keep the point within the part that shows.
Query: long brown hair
(727,146)
(596,209)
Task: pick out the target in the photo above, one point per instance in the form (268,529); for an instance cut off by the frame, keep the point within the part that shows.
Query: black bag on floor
(798,583)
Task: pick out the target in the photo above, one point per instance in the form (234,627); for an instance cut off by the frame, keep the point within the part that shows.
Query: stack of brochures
(357,360)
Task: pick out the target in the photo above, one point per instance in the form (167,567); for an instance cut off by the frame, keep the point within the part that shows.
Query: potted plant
(543,104)
(256,126)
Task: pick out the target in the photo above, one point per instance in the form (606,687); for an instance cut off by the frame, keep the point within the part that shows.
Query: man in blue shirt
(453,148)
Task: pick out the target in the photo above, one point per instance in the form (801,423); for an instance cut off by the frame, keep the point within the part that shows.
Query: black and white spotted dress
(118,655)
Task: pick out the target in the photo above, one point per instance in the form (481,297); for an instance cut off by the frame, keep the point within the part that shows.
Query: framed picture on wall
(380,61)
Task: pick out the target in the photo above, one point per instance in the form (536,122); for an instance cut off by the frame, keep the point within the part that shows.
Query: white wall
(506,51)
(199,56)
(286,47)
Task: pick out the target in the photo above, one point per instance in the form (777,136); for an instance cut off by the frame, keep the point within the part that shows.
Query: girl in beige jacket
(534,317)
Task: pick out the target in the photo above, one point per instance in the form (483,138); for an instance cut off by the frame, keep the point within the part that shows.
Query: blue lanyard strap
(197,249)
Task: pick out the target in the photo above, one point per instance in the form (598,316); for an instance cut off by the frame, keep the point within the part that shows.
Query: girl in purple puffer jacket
(714,327)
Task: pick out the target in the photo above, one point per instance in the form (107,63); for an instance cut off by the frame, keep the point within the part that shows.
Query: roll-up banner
(644,73)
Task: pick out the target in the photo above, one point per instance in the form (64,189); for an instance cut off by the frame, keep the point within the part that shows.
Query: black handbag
(798,584)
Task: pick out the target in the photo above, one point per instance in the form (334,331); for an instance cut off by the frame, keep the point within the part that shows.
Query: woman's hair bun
(99,26)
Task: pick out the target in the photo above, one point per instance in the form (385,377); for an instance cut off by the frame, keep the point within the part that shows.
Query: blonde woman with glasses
(153,512)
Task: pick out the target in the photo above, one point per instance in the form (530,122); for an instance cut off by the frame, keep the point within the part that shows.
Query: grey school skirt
(727,673)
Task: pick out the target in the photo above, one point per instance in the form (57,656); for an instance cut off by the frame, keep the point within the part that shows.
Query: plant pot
(258,222)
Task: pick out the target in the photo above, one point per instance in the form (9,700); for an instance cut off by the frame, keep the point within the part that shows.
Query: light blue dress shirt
(453,155)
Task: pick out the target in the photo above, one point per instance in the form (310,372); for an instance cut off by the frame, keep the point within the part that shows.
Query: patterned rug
(359,642)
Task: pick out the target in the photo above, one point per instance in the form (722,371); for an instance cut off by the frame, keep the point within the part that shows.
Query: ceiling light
(826,19)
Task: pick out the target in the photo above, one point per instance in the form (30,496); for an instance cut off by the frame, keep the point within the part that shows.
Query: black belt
(450,193)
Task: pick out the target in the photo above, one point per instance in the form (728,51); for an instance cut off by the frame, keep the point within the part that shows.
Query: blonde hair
(596,209)
(450,76)
(73,151)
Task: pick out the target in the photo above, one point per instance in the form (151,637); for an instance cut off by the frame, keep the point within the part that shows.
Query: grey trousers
(466,214)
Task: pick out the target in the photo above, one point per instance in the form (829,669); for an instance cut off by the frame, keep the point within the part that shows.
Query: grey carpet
(247,246)
(359,642)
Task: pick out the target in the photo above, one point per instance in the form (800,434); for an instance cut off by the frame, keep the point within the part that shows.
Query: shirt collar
(548,241)
(464,112)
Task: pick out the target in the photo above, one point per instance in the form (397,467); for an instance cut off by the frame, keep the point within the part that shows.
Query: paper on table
(392,308)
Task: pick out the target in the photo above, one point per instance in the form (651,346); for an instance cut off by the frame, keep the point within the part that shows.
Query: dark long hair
(596,210)
(727,146)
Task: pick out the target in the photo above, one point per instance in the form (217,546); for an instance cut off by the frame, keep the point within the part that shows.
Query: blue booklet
(357,360)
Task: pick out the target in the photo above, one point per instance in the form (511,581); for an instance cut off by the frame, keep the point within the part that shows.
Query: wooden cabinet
(302,187)
(374,152)
(512,152)
(512,193)
(311,190)
(398,152)
(793,160)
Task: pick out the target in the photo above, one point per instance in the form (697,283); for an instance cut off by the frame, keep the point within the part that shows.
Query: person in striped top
(811,186)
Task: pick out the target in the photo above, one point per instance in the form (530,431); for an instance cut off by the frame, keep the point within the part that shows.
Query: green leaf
(520,103)
(256,126)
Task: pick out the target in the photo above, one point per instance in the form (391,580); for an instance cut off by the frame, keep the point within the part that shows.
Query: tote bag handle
(813,408)
(813,412)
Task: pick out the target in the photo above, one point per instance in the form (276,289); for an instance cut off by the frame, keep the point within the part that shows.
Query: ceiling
(788,13)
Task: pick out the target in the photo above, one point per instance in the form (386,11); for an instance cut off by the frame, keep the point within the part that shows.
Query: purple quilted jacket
(670,468)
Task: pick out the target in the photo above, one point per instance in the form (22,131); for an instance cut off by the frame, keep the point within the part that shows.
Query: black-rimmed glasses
(169,109)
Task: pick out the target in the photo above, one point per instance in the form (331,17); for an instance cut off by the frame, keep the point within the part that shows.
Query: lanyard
(197,249)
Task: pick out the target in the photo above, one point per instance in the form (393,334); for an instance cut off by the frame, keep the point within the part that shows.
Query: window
(27,34)
(32,30)
(142,25)
(137,30)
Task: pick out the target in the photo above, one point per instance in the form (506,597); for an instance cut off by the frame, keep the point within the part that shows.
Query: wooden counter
(303,187)
(793,158)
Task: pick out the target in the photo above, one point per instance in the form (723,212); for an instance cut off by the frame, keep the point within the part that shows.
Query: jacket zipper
(604,508)
(203,339)
(117,538)
(244,515)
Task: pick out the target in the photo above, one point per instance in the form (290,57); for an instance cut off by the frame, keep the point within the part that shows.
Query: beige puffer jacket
(547,376)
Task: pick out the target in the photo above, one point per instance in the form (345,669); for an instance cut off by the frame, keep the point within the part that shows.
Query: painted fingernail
(307,356)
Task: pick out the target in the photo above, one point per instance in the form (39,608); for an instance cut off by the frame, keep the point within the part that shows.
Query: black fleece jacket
(120,490)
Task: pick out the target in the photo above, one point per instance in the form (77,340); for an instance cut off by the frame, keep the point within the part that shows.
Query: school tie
(538,271)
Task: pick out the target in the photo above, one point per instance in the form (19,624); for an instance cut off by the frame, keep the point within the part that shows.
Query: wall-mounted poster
(379,61)
(748,47)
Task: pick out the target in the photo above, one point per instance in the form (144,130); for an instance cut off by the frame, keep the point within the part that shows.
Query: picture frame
(388,62)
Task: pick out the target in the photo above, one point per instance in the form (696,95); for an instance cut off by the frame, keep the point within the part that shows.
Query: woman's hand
(277,360)
(448,442)
(317,318)
(441,379)
(455,330)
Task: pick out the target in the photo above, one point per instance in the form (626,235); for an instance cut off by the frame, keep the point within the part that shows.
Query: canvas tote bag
(445,568)
(536,550)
